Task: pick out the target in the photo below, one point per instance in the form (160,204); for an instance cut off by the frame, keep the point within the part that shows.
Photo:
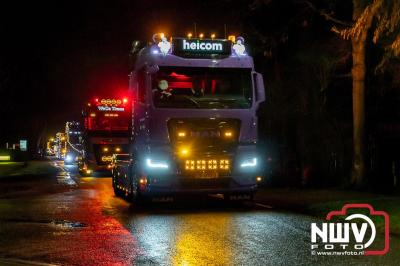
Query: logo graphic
(200,45)
(356,235)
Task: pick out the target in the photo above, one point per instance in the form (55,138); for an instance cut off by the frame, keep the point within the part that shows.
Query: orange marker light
(232,38)
(143,181)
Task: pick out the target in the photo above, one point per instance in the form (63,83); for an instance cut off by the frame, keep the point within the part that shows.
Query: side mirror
(259,87)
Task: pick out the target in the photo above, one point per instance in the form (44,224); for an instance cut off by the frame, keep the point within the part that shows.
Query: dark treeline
(306,123)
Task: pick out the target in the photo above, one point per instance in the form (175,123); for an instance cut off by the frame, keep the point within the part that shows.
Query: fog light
(184,151)
(228,134)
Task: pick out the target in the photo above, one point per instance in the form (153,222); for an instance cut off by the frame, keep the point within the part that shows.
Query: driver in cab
(163,91)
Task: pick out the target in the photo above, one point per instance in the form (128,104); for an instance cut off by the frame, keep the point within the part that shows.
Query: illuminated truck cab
(194,119)
(73,142)
(106,123)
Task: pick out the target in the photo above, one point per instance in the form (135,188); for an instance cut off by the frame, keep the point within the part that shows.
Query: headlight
(249,163)
(156,164)
(68,158)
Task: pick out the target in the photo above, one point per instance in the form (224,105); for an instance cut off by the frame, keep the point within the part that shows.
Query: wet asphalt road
(69,220)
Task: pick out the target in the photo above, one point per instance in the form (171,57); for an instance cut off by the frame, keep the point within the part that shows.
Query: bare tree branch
(327,16)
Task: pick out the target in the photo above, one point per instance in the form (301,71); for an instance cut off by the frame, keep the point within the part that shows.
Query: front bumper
(186,185)
(179,175)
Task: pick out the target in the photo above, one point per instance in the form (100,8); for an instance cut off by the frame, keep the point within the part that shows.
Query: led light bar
(210,164)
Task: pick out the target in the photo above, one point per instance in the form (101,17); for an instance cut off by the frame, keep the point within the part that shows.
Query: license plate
(206,174)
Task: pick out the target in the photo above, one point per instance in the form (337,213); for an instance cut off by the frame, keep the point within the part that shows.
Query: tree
(381,18)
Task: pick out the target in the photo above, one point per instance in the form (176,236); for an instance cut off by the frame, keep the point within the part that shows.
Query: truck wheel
(117,191)
(83,173)
(134,196)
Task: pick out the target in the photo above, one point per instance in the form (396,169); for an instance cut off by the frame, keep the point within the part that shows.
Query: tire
(117,191)
(83,173)
(134,196)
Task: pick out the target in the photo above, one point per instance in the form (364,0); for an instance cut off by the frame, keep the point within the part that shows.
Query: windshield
(122,157)
(74,137)
(209,88)
(102,121)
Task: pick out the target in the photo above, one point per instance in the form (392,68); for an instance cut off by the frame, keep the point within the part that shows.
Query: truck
(106,131)
(73,147)
(60,145)
(194,120)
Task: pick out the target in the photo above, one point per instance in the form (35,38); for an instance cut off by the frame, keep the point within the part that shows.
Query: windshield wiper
(192,101)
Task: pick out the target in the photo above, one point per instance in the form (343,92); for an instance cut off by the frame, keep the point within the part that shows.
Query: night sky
(54,55)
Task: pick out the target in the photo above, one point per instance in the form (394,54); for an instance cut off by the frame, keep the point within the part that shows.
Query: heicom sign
(199,45)
(201,48)
(356,233)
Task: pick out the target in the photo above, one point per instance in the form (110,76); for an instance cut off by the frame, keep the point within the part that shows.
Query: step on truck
(194,126)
